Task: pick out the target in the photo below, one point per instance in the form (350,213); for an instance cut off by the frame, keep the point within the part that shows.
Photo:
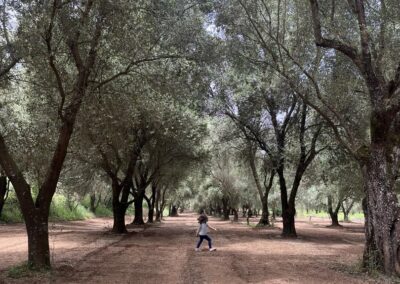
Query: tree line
(142,94)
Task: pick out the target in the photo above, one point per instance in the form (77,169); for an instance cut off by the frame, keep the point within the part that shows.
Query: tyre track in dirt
(211,267)
(84,252)
(148,256)
(247,255)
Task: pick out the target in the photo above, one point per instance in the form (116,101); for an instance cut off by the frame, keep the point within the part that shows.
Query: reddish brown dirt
(84,252)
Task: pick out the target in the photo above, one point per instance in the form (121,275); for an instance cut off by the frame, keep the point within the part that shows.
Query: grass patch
(103,211)
(11,212)
(61,210)
(304,214)
(356,269)
(24,271)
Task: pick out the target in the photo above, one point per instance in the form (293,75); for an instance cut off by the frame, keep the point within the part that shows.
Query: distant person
(203,231)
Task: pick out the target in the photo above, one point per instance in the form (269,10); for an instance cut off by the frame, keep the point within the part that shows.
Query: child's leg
(200,241)
(209,241)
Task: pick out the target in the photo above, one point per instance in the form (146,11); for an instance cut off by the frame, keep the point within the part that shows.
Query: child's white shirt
(203,229)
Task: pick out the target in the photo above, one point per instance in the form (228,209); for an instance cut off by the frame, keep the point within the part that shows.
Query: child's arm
(211,227)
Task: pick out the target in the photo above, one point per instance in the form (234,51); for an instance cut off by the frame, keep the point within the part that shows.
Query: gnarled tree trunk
(346,211)
(157,207)
(235,215)
(93,202)
(380,160)
(288,210)
(225,209)
(264,220)
(333,213)
(382,213)
(3,192)
(151,203)
(174,211)
(289,229)
(138,219)
(119,209)
(38,240)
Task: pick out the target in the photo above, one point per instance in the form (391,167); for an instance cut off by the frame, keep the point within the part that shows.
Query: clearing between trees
(86,252)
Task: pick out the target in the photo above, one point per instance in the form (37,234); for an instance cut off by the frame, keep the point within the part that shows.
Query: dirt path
(84,252)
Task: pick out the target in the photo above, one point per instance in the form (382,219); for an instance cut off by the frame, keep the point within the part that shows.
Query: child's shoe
(212,249)
(196,249)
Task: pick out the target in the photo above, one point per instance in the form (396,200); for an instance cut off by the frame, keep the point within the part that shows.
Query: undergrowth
(60,210)
(25,271)
(371,272)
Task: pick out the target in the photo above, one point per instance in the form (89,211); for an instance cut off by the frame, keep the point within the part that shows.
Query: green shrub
(61,210)
(323,214)
(103,211)
(11,215)
(86,201)
(11,212)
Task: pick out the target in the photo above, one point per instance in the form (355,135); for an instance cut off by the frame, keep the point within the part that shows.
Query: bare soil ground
(85,252)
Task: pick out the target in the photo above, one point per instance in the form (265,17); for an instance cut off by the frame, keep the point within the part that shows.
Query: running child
(203,231)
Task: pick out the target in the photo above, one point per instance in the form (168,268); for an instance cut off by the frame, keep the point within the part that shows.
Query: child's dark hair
(202,219)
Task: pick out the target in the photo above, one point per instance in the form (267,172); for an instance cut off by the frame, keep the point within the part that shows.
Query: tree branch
(338,45)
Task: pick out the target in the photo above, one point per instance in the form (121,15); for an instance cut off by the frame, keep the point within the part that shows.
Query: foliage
(24,271)
(59,210)
(11,212)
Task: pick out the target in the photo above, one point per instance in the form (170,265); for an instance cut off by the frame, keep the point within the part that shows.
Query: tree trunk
(264,220)
(249,213)
(370,255)
(3,192)
(225,209)
(218,211)
(138,220)
(157,204)
(382,214)
(226,215)
(119,208)
(93,202)
(334,213)
(267,187)
(345,214)
(119,211)
(38,240)
(289,229)
(174,211)
(334,219)
(346,211)
(288,210)
(274,210)
(158,210)
(36,213)
(235,215)
(162,208)
(150,204)
(150,215)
